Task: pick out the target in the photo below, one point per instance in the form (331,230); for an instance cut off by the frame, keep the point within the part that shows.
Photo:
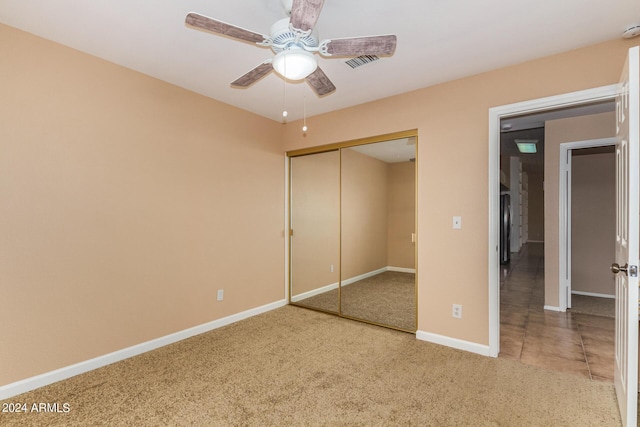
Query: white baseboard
(453,342)
(28,384)
(314,292)
(592,294)
(552,308)
(333,286)
(349,281)
(402,269)
(366,275)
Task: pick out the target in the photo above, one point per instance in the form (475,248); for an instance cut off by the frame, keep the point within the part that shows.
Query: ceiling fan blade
(320,83)
(357,46)
(254,75)
(305,13)
(222,28)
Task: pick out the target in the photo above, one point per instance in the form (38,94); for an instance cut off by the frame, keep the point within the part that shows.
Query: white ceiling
(438,40)
(393,151)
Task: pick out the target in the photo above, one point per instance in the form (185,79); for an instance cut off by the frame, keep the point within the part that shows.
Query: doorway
(587,171)
(531,324)
(496,114)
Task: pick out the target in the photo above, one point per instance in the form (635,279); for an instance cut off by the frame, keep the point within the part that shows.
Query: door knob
(615,268)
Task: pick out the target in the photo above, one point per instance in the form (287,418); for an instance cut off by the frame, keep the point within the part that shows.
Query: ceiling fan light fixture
(294,63)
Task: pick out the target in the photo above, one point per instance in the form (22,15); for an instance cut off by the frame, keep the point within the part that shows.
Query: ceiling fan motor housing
(283,37)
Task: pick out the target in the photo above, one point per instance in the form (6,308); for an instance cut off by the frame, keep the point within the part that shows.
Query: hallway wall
(557,132)
(536,204)
(593,222)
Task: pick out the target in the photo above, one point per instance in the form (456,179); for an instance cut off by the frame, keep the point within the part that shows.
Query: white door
(626,258)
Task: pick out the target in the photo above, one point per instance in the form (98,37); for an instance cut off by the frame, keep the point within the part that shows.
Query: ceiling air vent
(361,60)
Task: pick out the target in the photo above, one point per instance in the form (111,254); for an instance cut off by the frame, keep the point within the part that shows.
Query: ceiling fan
(294,40)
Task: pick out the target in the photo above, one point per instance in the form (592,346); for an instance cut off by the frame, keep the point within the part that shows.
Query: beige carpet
(299,367)
(593,305)
(388,298)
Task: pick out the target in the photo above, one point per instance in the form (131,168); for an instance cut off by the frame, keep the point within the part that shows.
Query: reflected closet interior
(352,230)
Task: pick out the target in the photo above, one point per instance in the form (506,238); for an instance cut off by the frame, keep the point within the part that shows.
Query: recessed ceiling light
(527,146)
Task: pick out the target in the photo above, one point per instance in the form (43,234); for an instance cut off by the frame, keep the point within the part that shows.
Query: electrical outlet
(457,311)
(220,294)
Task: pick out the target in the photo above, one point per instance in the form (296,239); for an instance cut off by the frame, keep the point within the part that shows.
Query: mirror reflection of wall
(315,224)
(378,219)
(353,222)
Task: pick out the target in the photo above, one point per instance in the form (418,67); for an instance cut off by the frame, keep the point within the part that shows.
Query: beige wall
(536,204)
(315,220)
(364,213)
(401,214)
(452,122)
(557,132)
(125,204)
(593,222)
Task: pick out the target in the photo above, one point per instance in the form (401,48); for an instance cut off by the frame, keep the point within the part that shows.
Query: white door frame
(564,238)
(495,115)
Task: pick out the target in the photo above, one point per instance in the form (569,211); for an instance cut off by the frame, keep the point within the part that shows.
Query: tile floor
(569,342)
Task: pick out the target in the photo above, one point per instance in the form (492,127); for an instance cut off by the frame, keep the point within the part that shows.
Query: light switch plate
(457,222)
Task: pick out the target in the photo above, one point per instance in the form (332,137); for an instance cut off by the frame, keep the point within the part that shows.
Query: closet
(352,213)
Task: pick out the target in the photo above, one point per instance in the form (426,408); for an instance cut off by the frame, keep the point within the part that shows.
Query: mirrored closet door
(315,230)
(352,238)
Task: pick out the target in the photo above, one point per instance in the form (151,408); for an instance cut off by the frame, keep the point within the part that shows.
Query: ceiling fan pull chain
(284,94)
